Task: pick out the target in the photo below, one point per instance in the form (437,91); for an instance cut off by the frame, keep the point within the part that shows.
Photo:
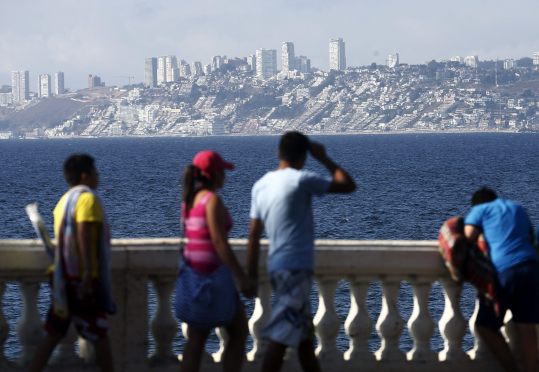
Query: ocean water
(407,185)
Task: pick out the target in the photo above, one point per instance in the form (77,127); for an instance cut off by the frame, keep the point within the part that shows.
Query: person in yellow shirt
(81,277)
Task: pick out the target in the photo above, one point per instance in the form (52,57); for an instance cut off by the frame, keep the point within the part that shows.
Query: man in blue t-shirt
(509,234)
(281,203)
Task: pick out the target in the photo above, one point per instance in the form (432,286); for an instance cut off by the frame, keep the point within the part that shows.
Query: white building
(217,63)
(251,61)
(6,99)
(171,69)
(303,64)
(185,69)
(288,59)
(20,86)
(59,84)
(197,69)
(458,59)
(161,70)
(536,58)
(337,54)
(471,61)
(207,69)
(393,60)
(44,87)
(509,64)
(150,72)
(266,63)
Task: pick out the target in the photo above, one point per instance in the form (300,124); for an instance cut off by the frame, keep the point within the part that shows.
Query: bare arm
(84,235)
(216,215)
(471,233)
(341,182)
(253,247)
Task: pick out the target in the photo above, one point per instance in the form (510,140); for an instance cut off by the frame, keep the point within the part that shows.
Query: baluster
(223,337)
(261,314)
(29,327)
(452,325)
(66,349)
(4,327)
(326,320)
(389,325)
(421,325)
(480,350)
(358,324)
(163,324)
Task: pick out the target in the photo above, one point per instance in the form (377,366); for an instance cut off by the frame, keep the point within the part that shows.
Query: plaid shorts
(89,320)
(291,319)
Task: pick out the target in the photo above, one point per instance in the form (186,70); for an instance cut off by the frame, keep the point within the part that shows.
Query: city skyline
(92,38)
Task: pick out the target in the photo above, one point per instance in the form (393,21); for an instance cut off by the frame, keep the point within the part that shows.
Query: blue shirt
(506,227)
(281,199)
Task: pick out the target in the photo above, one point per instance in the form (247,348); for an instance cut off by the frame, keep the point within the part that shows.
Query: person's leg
(273,360)
(527,334)
(103,354)
(43,353)
(498,347)
(307,358)
(235,349)
(192,354)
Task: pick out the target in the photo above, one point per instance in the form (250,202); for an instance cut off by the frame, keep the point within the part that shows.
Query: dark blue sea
(407,185)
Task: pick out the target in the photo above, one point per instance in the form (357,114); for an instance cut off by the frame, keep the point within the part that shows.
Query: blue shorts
(291,319)
(518,289)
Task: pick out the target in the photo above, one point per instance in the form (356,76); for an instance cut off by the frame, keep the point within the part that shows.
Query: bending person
(206,296)
(509,234)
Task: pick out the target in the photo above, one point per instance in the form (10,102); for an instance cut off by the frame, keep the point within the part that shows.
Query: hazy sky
(111,38)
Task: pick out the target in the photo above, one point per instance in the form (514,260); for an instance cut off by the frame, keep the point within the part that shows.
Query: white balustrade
(261,314)
(420,324)
(390,323)
(480,350)
(358,324)
(136,260)
(163,324)
(30,328)
(452,324)
(326,321)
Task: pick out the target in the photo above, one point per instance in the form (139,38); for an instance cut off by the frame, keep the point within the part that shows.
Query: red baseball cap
(209,161)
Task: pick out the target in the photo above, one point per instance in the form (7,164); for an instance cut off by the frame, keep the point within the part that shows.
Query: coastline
(321,134)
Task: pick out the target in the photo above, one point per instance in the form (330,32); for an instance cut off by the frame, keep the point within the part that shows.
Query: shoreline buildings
(337,55)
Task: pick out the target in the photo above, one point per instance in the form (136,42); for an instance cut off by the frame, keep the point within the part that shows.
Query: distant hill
(45,114)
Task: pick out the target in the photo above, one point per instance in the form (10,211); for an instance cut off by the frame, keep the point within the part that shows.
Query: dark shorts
(519,292)
(89,320)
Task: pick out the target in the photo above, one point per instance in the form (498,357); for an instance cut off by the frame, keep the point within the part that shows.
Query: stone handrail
(136,262)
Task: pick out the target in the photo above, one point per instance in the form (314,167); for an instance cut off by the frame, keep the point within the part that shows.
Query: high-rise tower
(150,72)
(287,56)
(266,63)
(337,55)
(20,86)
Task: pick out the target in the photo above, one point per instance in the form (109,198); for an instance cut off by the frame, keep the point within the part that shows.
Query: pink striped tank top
(199,250)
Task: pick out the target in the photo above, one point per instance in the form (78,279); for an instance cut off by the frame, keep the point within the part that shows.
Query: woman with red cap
(206,296)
